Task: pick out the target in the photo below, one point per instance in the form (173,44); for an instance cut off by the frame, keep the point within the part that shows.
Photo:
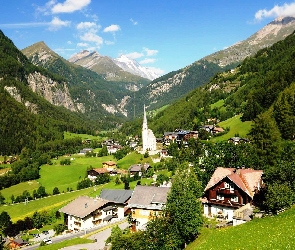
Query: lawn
(131,159)
(18,189)
(66,243)
(276,232)
(67,176)
(217,104)
(237,127)
(69,135)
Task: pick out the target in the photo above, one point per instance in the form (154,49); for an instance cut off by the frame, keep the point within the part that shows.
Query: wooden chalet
(230,189)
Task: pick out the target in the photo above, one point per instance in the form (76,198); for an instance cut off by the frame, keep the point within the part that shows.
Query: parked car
(47,241)
(45,232)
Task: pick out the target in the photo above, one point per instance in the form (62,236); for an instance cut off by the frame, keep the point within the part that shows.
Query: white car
(47,241)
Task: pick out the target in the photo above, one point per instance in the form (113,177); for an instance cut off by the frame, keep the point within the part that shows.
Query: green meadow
(273,232)
(131,159)
(236,127)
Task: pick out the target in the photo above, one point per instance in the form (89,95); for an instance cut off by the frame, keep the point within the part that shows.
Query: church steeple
(144,124)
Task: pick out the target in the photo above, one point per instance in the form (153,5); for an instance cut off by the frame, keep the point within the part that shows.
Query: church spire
(144,124)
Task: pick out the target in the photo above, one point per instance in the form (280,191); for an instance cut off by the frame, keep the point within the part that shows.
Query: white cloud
(276,11)
(109,42)
(87,25)
(147,60)
(133,22)
(150,52)
(82,44)
(92,37)
(56,24)
(68,6)
(112,28)
(69,42)
(134,55)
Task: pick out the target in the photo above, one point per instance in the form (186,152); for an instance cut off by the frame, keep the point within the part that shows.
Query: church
(148,138)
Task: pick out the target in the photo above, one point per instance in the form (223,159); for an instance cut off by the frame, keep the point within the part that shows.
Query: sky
(166,35)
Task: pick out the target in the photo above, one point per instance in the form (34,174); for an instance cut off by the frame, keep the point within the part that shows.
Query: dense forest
(26,119)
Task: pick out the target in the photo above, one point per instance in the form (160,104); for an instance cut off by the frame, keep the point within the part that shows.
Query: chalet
(230,189)
(191,134)
(86,213)
(169,137)
(237,140)
(109,164)
(146,202)
(139,168)
(120,198)
(86,150)
(14,243)
(217,130)
(93,173)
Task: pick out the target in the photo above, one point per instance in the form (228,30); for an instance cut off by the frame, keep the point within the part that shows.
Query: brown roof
(109,163)
(148,195)
(83,206)
(246,179)
(101,170)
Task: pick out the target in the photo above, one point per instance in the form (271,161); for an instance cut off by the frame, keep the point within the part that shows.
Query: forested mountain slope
(170,87)
(262,83)
(91,93)
(26,118)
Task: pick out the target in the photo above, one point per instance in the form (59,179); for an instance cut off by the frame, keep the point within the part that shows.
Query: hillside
(174,85)
(26,118)
(261,83)
(267,233)
(90,92)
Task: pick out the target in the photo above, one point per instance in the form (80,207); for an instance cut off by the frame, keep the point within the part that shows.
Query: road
(100,237)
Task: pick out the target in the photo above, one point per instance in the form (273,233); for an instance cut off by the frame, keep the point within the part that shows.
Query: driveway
(100,238)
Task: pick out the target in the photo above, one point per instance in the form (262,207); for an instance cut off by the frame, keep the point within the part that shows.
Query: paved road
(101,236)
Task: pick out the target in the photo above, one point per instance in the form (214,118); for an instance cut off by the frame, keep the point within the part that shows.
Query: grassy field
(236,127)
(132,158)
(67,176)
(218,104)
(66,243)
(68,135)
(277,232)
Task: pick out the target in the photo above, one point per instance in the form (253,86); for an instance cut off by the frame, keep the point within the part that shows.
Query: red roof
(246,179)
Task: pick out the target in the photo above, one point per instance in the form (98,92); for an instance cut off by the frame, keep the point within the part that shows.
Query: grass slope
(276,232)
(237,127)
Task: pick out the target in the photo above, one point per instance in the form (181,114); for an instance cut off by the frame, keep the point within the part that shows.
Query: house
(217,130)
(191,134)
(109,164)
(146,202)
(93,173)
(86,150)
(14,243)
(85,213)
(237,140)
(113,148)
(230,189)
(139,168)
(120,198)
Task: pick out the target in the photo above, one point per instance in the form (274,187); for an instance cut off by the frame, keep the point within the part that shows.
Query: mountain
(105,66)
(170,87)
(135,68)
(26,119)
(100,100)
(264,83)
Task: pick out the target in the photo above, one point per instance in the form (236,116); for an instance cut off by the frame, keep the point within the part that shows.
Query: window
(226,185)
(234,198)
(231,187)
(220,197)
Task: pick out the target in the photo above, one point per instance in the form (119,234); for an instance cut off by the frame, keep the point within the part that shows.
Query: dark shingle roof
(116,195)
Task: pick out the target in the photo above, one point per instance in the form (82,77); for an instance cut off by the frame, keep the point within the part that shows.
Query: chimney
(86,205)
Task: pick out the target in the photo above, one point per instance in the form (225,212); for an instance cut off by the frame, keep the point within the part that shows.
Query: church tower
(148,138)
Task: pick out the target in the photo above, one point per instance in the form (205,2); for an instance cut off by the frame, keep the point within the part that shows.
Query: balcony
(227,191)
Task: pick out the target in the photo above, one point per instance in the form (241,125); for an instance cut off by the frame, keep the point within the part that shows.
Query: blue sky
(164,34)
